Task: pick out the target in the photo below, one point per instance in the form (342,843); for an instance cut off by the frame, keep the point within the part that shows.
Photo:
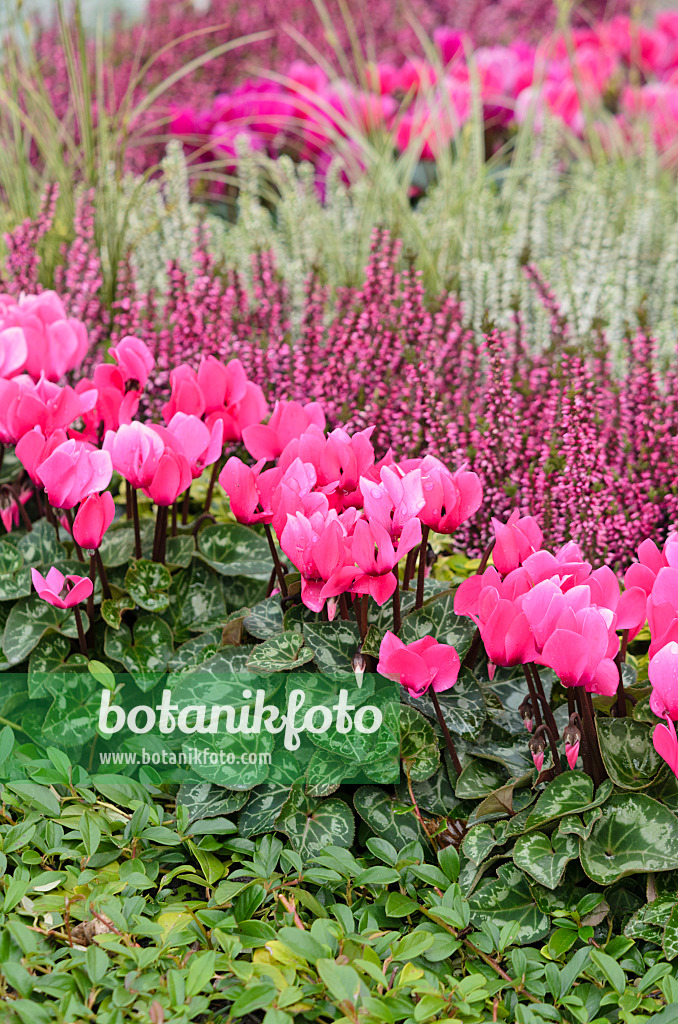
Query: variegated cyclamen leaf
(280,653)
(204,800)
(29,620)
(543,858)
(235,550)
(379,811)
(628,752)
(147,583)
(333,644)
(508,901)
(311,825)
(418,745)
(145,653)
(634,834)
(462,706)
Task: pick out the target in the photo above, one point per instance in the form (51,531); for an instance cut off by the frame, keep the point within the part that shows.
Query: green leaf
(418,745)
(543,859)
(437,619)
(6,743)
(112,609)
(266,801)
(333,644)
(280,653)
(40,546)
(146,582)
(634,834)
(311,825)
(117,546)
(628,752)
(15,581)
(478,779)
(302,944)
(326,772)
(265,619)
(235,550)
(40,797)
(398,905)
(146,654)
(179,551)
(507,901)
(29,620)
(196,599)
(72,718)
(203,800)
(48,655)
(569,792)
(102,674)
(341,981)
(610,969)
(670,936)
(463,706)
(378,810)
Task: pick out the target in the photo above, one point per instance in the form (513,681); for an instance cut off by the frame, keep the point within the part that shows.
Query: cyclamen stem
(421,572)
(137,527)
(363,617)
(409,568)
(533,695)
(619,661)
(160,538)
(105,587)
(343,607)
(210,487)
(276,560)
(449,743)
(78,549)
(595,767)
(185,506)
(485,558)
(81,633)
(90,599)
(548,713)
(175,507)
(555,756)
(397,622)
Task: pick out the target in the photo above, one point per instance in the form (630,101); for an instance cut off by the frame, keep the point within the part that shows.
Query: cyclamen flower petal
(666,744)
(420,665)
(54,590)
(572,753)
(95,515)
(73,471)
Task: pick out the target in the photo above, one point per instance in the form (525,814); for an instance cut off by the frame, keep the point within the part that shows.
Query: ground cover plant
(275,456)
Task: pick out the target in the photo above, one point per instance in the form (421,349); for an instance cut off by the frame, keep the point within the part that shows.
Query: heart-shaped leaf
(326,772)
(266,801)
(437,619)
(463,707)
(569,792)
(418,745)
(41,547)
(265,619)
(379,811)
(112,609)
(543,860)
(311,824)
(634,834)
(203,800)
(147,582)
(15,581)
(146,653)
(179,551)
(280,653)
(478,779)
(333,644)
(117,546)
(628,752)
(235,550)
(234,760)
(508,901)
(72,719)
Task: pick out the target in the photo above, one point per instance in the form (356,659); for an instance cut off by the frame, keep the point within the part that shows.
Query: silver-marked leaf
(569,792)
(179,551)
(378,810)
(196,599)
(574,825)
(148,582)
(418,745)
(117,546)
(670,936)
(333,644)
(236,761)
(197,650)
(434,795)
(372,642)
(437,618)
(543,859)
(326,772)
(112,609)
(72,719)
(634,834)
(146,653)
(203,800)
(478,779)
(508,900)
(265,619)
(628,752)
(266,801)
(463,706)
(49,654)
(235,550)
(15,581)
(280,653)
(311,825)
(478,842)
(41,547)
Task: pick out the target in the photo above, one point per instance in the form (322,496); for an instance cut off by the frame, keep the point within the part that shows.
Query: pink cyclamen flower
(374,558)
(515,540)
(449,498)
(495,605)
(172,475)
(13,351)
(572,753)
(229,396)
(134,359)
(249,490)
(25,405)
(317,546)
(95,515)
(663,674)
(59,590)
(202,446)
(55,343)
(9,509)
(135,449)
(538,758)
(666,744)
(33,448)
(288,421)
(420,665)
(73,471)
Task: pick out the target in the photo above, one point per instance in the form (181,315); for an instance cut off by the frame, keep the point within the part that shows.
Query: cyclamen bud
(527,714)
(537,748)
(359,667)
(572,739)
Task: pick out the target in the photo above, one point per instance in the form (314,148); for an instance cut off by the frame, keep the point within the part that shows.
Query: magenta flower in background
(33,449)
(95,515)
(247,490)
(61,591)
(449,498)
(317,546)
(663,674)
(73,471)
(420,665)
(25,405)
(9,508)
(201,446)
(666,744)
(55,343)
(13,351)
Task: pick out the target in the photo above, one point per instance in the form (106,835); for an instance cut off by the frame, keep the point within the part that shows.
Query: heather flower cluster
(617,77)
